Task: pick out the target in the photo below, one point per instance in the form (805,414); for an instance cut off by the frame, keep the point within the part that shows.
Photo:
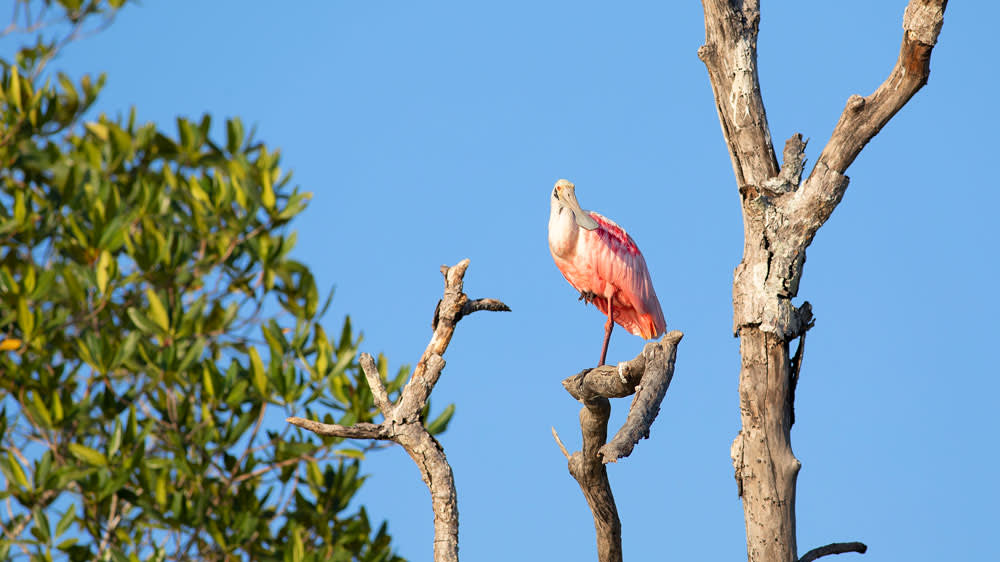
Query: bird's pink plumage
(608,263)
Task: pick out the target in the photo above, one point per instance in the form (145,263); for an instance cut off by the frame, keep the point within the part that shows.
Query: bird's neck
(563,230)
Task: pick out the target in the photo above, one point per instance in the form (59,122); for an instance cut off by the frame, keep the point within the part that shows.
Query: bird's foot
(587,296)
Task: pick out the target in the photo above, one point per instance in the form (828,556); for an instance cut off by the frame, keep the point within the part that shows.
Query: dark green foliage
(153,335)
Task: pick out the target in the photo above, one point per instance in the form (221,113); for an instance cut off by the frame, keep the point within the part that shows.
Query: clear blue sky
(433,131)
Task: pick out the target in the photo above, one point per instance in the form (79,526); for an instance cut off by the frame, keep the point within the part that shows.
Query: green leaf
(114,233)
(41,409)
(351,453)
(67,519)
(266,191)
(298,549)
(15,87)
(206,382)
(103,270)
(126,350)
(193,352)
(57,408)
(87,455)
(258,376)
(161,489)
(17,472)
(98,130)
(25,319)
(41,528)
(141,321)
(20,210)
(234,135)
(116,438)
(158,313)
(440,423)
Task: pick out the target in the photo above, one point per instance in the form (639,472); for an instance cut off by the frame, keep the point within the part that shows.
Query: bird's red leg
(607,332)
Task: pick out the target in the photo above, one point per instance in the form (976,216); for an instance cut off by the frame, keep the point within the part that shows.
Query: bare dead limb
(660,359)
(781,215)
(835,548)
(356,431)
(592,476)
(402,423)
(647,375)
(555,435)
(484,304)
(864,117)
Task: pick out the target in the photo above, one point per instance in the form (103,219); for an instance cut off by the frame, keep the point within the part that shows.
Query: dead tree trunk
(781,214)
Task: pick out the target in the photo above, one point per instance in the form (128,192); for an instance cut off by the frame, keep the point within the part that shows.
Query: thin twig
(356,431)
(379,394)
(246,452)
(112,511)
(560,443)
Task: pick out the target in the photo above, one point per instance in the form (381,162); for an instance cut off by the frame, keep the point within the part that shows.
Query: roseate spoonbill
(601,260)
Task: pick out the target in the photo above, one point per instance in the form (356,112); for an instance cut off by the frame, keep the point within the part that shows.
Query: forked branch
(647,376)
(781,215)
(864,117)
(403,424)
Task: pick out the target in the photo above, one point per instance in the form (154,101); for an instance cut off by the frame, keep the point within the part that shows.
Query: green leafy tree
(154,332)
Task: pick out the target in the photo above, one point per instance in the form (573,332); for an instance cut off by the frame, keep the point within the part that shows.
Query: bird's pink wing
(616,260)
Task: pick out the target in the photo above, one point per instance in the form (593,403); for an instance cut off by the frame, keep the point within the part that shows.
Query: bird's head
(564,196)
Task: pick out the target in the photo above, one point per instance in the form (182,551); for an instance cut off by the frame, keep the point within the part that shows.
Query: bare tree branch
(592,476)
(356,431)
(864,117)
(660,359)
(647,375)
(730,54)
(834,548)
(484,304)
(403,424)
(379,395)
(428,369)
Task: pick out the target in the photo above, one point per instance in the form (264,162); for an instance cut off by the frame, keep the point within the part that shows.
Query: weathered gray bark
(402,423)
(781,215)
(647,376)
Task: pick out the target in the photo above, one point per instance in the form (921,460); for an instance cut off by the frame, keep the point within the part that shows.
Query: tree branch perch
(403,424)
(647,375)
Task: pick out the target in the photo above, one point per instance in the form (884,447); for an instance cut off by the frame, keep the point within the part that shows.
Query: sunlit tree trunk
(781,214)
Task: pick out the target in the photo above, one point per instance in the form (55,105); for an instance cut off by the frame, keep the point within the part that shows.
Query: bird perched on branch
(601,260)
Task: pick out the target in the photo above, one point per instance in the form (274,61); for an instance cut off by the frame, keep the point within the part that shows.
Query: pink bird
(601,260)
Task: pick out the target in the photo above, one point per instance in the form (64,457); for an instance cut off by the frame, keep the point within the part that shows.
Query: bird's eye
(555,193)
